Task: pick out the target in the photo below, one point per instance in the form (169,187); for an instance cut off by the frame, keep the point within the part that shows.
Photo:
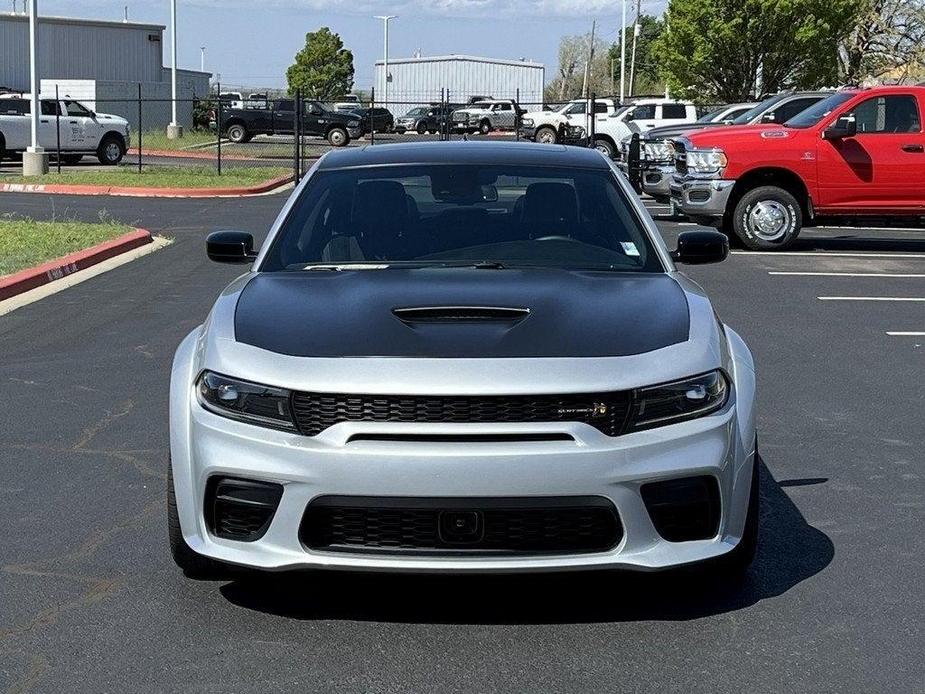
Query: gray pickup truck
(485,116)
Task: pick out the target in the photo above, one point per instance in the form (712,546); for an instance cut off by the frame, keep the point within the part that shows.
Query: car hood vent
(460,314)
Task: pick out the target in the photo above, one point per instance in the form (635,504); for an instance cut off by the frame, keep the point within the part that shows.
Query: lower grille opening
(684,509)
(240,509)
(461,438)
(453,526)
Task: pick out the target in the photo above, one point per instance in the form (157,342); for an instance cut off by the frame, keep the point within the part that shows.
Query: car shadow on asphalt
(790,551)
(863,244)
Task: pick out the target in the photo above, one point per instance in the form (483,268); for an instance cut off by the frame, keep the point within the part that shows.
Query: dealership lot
(91,601)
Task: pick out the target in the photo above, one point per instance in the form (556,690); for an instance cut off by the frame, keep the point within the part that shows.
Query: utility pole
(202,59)
(636,29)
(174,130)
(587,76)
(623,53)
(34,159)
(385,22)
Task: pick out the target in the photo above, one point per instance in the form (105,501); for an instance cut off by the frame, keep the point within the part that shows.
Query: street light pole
(202,59)
(34,159)
(623,53)
(174,130)
(385,22)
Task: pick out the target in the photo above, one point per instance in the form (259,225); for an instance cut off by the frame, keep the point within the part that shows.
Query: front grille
(607,412)
(489,525)
(680,158)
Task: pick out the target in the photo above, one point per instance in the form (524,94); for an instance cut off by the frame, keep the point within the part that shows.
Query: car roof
(464,152)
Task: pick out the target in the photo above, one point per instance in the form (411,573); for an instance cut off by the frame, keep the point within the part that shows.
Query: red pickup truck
(858,152)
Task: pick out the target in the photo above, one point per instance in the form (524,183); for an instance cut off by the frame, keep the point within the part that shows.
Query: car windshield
(420,111)
(818,111)
(708,117)
(451,215)
(753,113)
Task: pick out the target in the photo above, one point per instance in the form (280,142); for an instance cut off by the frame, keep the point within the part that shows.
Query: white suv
(640,116)
(81,130)
(543,126)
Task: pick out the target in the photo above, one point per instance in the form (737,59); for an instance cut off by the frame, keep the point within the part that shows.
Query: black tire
(546,135)
(111,150)
(767,218)
(338,137)
(193,564)
(237,133)
(2,148)
(247,138)
(484,127)
(422,128)
(605,147)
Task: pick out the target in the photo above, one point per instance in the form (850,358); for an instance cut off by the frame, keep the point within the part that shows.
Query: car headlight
(245,401)
(527,122)
(660,151)
(709,161)
(679,401)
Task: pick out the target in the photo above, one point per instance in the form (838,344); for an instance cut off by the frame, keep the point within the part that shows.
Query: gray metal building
(420,80)
(94,59)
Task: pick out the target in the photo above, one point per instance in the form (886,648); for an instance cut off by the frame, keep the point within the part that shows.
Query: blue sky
(252,42)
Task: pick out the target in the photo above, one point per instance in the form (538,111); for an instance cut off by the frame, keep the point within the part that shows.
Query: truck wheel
(546,135)
(767,218)
(484,127)
(237,133)
(422,128)
(111,150)
(604,147)
(338,137)
(2,148)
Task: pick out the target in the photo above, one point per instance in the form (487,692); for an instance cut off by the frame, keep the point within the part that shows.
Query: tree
(888,40)
(648,80)
(323,69)
(732,50)
(573,58)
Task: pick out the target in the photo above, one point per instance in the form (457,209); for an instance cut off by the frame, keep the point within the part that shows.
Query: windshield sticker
(630,248)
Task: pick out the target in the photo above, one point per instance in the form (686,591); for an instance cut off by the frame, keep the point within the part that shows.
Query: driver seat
(550,209)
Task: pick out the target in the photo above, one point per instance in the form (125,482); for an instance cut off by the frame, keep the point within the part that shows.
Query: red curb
(141,192)
(33,277)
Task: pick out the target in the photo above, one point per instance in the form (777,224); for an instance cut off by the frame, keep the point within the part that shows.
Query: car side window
(50,108)
(599,107)
(15,107)
(644,112)
(888,114)
(75,108)
(577,109)
(286,105)
(785,112)
(674,111)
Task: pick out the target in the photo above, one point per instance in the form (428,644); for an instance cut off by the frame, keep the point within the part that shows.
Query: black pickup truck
(241,124)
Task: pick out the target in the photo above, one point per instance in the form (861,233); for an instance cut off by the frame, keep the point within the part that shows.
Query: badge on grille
(598,409)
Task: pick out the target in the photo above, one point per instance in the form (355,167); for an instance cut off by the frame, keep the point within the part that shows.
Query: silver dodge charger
(463,357)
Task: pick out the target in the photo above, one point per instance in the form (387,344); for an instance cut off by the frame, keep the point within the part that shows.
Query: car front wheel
(546,135)
(604,147)
(111,150)
(484,127)
(767,218)
(237,133)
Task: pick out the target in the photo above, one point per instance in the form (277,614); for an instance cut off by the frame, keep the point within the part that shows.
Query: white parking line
(871,298)
(904,334)
(832,254)
(845,274)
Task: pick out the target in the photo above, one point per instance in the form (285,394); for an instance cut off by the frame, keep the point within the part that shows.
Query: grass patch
(157,139)
(160,177)
(25,243)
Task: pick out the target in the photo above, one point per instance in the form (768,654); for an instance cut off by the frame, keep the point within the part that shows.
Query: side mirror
(489,193)
(845,126)
(629,116)
(769,118)
(230,247)
(701,247)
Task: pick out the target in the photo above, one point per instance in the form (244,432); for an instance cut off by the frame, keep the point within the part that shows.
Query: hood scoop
(460,314)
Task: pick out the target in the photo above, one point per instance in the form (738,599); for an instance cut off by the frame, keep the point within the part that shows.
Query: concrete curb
(141,192)
(33,277)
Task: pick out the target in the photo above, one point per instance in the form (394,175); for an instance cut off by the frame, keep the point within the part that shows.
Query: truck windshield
(818,111)
(454,215)
(756,111)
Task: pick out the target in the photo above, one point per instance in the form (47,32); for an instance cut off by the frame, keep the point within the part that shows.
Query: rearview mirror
(701,247)
(230,247)
(845,126)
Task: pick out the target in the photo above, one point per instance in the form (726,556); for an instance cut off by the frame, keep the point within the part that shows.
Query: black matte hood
(568,314)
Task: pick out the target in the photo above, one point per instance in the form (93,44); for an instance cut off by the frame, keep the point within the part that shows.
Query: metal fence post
(297,136)
(218,125)
(591,120)
(58,127)
(372,115)
(139,127)
(633,166)
(517,116)
(445,111)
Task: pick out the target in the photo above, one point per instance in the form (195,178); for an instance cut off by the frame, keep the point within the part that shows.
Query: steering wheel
(554,237)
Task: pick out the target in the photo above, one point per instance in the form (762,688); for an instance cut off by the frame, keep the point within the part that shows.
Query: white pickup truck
(543,126)
(82,131)
(640,116)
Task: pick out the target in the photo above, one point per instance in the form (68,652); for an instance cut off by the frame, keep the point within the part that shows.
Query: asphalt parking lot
(91,602)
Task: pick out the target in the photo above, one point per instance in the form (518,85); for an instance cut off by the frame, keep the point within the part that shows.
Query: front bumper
(656,180)
(356,132)
(700,197)
(204,445)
